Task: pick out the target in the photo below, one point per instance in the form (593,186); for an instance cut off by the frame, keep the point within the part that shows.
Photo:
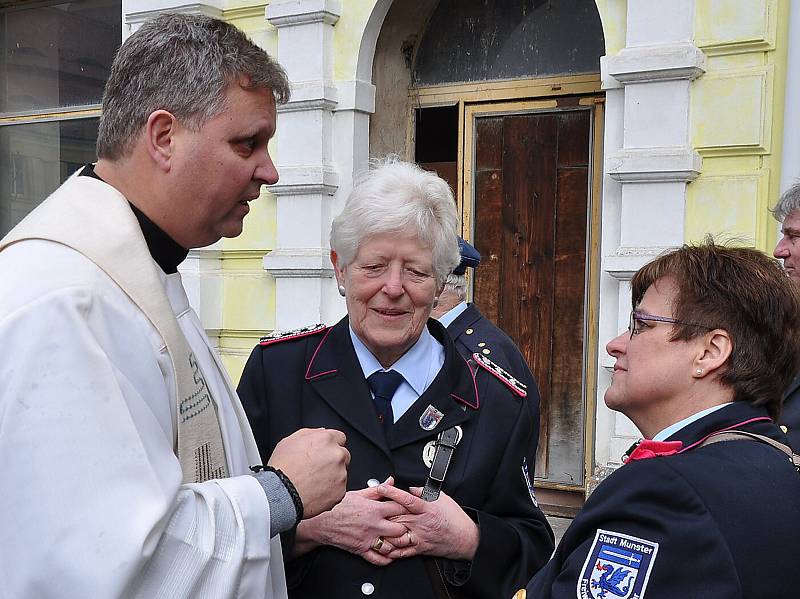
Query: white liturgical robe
(92,503)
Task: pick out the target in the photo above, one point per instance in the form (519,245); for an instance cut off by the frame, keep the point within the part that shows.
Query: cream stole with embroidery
(94,219)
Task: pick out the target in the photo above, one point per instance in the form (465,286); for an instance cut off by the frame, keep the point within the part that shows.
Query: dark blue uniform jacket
(316,381)
(790,417)
(725,518)
(474,333)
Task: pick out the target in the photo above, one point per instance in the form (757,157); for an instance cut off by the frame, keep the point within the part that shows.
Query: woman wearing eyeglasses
(708,504)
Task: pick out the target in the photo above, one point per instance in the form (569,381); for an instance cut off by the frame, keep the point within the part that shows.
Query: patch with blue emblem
(618,565)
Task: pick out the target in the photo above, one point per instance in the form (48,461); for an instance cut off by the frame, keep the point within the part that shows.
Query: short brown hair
(183,64)
(746,293)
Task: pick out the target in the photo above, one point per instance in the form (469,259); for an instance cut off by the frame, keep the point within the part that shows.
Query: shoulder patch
(617,564)
(509,381)
(277,336)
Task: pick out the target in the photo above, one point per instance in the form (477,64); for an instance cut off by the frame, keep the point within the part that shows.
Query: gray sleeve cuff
(281,507)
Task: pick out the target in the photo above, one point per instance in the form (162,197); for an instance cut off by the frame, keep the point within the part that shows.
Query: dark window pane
(477,40)
(35,159)
(58,55)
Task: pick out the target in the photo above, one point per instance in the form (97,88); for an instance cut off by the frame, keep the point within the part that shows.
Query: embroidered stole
(94,219)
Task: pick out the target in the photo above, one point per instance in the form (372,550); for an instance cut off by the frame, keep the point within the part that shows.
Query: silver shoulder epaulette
(278,336)
(512,383)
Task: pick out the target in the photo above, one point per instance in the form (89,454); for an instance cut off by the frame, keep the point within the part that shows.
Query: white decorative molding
(311,95)
(299,262)
(607,81)
(664,62)
(654,165)
(139,11)
(303,12)
(356,95)
(304,180)
(625,261)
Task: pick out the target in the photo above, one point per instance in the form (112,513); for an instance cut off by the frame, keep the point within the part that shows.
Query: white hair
(456,284)
(397,197)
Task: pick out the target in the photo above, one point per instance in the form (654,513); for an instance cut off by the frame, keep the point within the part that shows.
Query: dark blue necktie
(383,385)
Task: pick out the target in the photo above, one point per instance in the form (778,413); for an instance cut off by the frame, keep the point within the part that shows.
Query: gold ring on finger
(410,539)
(376,546)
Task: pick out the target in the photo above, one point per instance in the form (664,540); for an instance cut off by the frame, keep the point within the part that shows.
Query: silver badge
(459,434)
(430,418)
(428,452)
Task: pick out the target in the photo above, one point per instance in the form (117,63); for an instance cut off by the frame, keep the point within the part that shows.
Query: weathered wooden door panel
(530,220)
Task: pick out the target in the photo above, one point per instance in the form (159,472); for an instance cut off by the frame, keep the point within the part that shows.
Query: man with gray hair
(127,455)
(787,212)
(472,331)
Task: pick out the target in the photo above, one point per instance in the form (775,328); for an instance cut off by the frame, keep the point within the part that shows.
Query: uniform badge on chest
(430,418)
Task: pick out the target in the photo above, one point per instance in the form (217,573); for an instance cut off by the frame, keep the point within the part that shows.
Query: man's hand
(315,460)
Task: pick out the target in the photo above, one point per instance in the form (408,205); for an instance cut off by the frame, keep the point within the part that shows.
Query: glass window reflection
(36,158)
(57,55)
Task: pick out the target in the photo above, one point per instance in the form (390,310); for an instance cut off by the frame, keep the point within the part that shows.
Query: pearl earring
(341,290)
(699,371)
(435,300)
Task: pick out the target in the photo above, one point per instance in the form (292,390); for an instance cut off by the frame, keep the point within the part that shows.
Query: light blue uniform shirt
(419,366)
(674,428)
(448,317)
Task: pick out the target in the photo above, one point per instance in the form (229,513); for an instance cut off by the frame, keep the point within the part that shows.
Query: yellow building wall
(736,120)
(614,16)
(248,292)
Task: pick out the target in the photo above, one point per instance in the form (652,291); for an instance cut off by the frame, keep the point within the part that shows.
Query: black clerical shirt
(167,253)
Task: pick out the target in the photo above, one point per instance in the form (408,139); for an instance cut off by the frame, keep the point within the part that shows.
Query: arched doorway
(503,100)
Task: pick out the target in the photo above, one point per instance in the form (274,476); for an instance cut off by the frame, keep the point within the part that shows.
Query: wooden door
(530,214)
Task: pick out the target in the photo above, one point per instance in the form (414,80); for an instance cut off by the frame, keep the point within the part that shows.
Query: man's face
(221,167)
(788,248)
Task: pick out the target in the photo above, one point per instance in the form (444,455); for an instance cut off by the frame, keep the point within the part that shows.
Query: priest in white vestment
(126,456)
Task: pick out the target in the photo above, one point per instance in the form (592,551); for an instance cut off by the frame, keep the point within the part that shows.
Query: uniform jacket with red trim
(316,381)
(725,519)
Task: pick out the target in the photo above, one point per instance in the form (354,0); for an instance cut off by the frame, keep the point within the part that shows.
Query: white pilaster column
(308,179)
(202,269)
(649,162)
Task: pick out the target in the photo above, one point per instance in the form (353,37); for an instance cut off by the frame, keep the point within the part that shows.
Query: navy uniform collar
(335,373)
(464,320)
(738,415)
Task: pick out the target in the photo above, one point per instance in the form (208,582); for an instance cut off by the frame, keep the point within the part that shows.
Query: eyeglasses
(637,316)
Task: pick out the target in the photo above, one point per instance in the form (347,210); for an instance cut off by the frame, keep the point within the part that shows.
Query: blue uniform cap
(470,258)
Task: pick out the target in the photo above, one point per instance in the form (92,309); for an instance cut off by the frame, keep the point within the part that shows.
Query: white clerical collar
(674,428)
(414,365)
(448,317)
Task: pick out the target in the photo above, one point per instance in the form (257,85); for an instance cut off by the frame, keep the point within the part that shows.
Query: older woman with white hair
(440,500)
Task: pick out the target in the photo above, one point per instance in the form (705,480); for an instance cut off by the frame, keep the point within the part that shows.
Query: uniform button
(367,588)
(373,482)
(487,351)
(784,429)
(469,331)
(481,344)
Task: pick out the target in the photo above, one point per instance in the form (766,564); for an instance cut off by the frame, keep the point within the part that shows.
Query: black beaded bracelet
(298,503)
